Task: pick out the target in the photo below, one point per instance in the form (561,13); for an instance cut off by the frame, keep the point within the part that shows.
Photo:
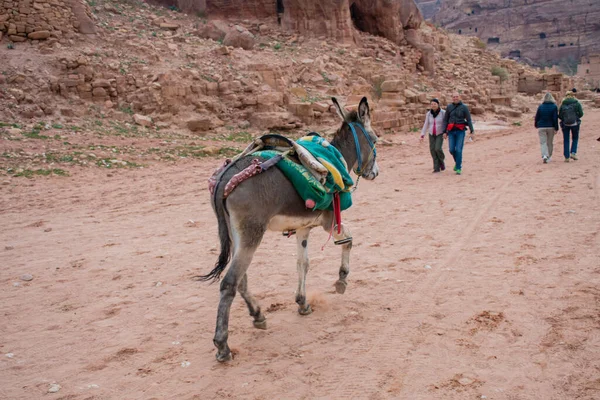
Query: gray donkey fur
(269,201)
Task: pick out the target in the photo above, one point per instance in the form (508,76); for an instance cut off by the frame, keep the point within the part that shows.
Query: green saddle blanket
(308,187)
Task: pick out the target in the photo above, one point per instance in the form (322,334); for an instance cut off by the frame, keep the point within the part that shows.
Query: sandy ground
(484,285)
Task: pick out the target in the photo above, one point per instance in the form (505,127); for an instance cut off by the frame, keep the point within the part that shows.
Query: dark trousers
(570,149)
(435,147)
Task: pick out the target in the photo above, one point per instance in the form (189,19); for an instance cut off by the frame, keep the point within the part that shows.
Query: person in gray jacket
(434,125)
(456,120)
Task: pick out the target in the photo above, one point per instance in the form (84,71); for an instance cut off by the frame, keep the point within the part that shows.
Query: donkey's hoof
(226,356)
(260,324)
(305,311)
(340,287)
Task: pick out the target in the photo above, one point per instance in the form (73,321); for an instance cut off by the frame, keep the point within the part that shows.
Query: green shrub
(501,72)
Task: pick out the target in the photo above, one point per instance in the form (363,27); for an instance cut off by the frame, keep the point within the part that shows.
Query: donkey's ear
(363,111)
(341,112)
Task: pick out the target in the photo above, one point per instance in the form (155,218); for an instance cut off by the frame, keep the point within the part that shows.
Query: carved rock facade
(337,19)
(539,31)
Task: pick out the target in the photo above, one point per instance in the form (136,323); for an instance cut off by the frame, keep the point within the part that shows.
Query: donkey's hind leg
(244,247)
(260,321)
(302,265)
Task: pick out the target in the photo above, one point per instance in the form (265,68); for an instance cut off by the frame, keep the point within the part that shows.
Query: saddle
(319,182)
(286,149)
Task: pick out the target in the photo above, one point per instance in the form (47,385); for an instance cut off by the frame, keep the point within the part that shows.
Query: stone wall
(556,83)
(40,19)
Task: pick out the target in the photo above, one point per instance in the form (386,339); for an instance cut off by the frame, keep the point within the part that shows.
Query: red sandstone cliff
(542,31)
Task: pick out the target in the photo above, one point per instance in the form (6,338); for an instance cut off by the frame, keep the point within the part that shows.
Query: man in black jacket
(456,120)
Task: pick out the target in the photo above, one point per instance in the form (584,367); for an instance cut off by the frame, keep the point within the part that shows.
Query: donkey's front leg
(302,242)
(346,237)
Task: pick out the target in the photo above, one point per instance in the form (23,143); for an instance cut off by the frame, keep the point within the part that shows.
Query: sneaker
(567,160)
(549,159)
(442,166)
(574,156)
(436,170)
(458,171)
(545,159)
(455,169)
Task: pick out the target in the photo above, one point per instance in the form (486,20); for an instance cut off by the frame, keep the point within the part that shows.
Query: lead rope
(330,234)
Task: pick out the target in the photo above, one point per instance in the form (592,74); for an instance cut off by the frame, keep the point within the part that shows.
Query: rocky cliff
(429,8)
(339,19)
(161,69)
(540,31)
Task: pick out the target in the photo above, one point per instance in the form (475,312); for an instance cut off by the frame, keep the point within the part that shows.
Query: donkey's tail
(224,238)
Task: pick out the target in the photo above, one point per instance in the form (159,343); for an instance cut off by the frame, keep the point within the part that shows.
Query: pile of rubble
(164,69)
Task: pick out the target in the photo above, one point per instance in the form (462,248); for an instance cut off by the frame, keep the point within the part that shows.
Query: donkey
(269,201)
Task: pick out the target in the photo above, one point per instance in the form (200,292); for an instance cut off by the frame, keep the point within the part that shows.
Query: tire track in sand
(381,356)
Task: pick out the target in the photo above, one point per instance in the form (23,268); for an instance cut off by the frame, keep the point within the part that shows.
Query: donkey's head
(356,140)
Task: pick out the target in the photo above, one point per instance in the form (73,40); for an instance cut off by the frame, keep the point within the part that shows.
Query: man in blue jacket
(546,121)
(456,120)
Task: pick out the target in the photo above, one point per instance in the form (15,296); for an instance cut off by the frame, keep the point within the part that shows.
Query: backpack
(570,114)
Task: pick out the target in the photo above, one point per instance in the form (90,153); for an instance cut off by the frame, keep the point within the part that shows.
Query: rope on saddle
(253,169)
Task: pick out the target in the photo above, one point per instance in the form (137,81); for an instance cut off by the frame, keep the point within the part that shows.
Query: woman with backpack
(434,125)
(570,114)
(546,122)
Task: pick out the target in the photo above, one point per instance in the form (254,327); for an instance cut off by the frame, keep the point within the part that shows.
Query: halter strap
(357,144)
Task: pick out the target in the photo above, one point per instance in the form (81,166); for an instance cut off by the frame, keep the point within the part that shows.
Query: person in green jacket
(570,114)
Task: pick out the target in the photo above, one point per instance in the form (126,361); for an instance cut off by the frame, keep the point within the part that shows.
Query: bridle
(373,152)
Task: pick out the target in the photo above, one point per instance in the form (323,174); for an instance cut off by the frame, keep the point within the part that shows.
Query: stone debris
(54,388)
(160,68)
(26,277)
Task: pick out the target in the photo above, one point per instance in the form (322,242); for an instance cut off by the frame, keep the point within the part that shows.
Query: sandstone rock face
(543,31)
(242,8)
(429,7)
(386,18)
(314,17)
(337,18)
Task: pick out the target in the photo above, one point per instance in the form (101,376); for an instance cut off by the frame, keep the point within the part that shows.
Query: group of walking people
(448,124)
(452,123)
(547,121)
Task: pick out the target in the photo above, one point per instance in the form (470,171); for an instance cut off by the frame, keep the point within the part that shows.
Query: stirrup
(343,241)
(289,233)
